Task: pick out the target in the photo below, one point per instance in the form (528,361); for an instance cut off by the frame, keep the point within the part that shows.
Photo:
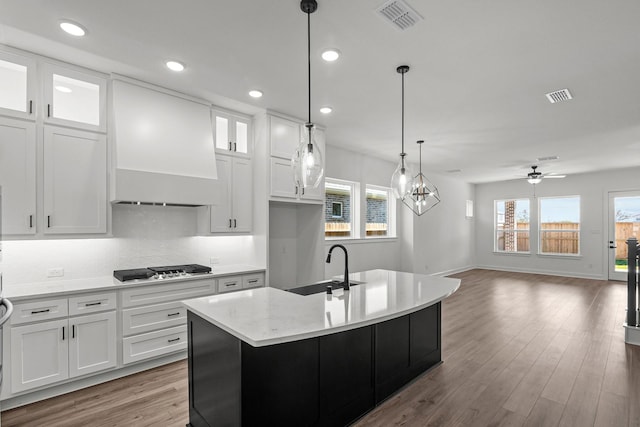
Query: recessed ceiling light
(331,55)
(175,66)
(255,93)
(73,28)
(63,89)
(326,110)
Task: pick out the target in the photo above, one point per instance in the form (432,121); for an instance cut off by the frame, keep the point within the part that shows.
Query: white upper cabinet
(284,136)
(75,181)
(17,86)
(232,210)
(73,98)
(232,132)
(18,176)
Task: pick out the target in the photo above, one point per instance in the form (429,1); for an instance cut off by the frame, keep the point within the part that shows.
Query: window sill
(561,256)
(512,253)
(332,241)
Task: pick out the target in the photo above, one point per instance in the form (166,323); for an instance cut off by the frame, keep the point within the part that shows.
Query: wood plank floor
(518,350)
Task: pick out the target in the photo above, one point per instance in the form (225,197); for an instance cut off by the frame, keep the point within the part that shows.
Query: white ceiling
(475,92)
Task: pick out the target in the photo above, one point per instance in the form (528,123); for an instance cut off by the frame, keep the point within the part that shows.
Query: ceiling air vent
(399,13)
(559,95)
(547,158)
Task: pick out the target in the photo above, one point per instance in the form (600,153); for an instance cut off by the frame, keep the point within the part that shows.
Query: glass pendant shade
(308,161)
(402,180)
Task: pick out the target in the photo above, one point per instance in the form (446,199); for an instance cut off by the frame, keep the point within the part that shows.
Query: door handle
(612,245)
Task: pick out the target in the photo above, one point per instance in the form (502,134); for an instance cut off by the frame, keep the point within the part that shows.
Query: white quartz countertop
(53,288)
(267,316)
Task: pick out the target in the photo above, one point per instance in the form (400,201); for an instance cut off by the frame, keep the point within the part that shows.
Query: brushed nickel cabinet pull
(235,223)
(48,110)
(229,222)
(174,340)
(235,147)
(30,107)
(173,314)
(46,310)
(73,331)
(63,333)
(30,221)
(48,221)
(91,304)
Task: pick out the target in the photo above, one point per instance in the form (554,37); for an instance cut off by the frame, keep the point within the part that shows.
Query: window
(378,212)
(340,209)
(512,226)
(560,225)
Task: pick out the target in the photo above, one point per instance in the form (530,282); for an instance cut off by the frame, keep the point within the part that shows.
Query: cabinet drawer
(152,344)
(230,283)
(92,303)
(166,293)
(39,310)
(150,318)
(252,281)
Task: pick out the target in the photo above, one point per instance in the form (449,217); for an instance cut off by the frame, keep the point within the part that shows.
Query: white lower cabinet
(153,344)
(92,346)
(48,352)
(154,322)
(39,354)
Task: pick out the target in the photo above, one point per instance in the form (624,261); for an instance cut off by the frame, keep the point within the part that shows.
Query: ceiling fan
(535,177)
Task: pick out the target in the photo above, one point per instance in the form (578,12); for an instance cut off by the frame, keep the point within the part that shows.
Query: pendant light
(424,195)
(307,161)
(402,180)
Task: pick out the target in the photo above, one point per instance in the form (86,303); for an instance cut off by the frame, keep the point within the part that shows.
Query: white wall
(364,254)
(593,189)
(443,238)
(144,236)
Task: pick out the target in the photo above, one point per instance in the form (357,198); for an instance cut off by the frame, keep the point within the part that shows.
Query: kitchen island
(271,357)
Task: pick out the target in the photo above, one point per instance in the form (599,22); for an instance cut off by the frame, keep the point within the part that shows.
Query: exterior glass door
(624,222)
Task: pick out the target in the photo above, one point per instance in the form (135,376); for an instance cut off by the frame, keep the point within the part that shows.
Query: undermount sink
(319,287)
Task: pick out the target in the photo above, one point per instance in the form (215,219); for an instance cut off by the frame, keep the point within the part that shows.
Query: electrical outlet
(214,261)
(55,272)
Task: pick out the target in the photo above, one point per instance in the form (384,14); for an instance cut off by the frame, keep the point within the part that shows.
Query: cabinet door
(73,98)
(39,354)
(282,184)
(232,133)
(75,181)
(242,135)
(284,136)
(17,86)
(92,345)
(222,131)
(18,176)
(221,217)
(242,195)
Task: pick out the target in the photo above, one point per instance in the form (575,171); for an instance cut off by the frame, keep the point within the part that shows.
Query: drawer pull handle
(73,331)
(46,310)
(90,304)
(174,340)
(253,281)
(229,284)
(173,314)
(63,333)
(30,107)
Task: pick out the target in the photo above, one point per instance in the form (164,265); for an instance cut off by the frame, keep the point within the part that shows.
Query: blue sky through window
(561,209)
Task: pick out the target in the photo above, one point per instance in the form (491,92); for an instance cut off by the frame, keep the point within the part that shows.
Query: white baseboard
(545,272)
(453,271)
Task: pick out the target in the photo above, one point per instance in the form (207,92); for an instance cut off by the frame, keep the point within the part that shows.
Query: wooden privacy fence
(567,242)
(338,229)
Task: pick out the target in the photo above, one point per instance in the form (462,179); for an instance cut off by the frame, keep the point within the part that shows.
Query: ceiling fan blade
(554,176)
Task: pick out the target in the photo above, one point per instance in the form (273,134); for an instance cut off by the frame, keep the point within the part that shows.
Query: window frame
(577,231)
(355,211)
(391,212)
(515,230)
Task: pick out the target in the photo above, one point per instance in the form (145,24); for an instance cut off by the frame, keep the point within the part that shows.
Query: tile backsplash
(143,236)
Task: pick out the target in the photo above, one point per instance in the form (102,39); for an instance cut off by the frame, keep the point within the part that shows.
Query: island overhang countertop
(267,316)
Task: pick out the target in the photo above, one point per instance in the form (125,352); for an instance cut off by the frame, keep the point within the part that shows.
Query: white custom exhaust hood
(163,147)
